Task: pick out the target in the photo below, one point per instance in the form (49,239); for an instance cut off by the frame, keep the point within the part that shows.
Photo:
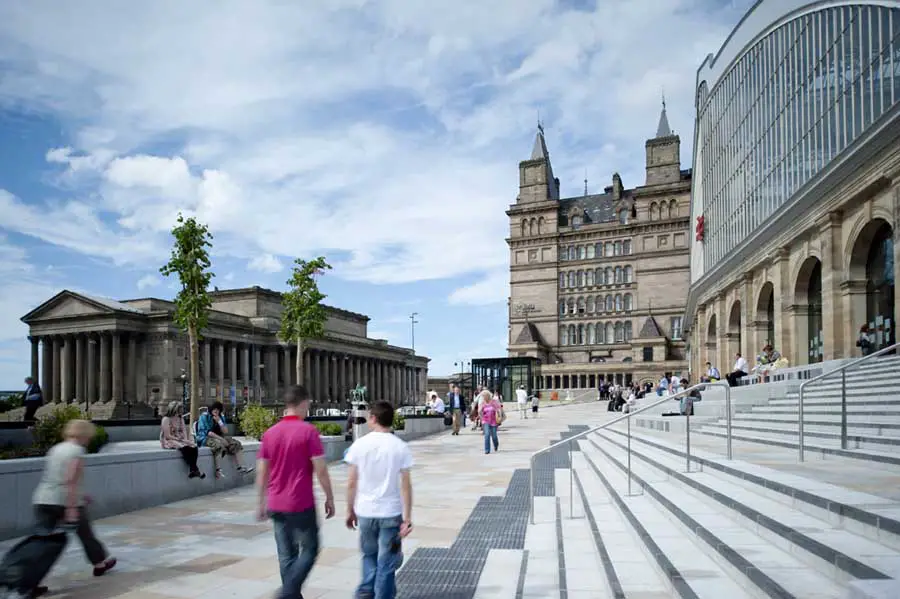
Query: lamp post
(184,391)
(412,333)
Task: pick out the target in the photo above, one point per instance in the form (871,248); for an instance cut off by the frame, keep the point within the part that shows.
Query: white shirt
(379,458)
(741,365)
(52,489)
(438,405)
(521,396)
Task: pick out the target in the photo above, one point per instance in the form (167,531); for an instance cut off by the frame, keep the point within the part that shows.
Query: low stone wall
(117,483)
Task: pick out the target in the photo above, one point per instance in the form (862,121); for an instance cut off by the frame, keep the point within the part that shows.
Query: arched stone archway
(807,311)
(710,344)
(765,315)
(733,332)
(871,284)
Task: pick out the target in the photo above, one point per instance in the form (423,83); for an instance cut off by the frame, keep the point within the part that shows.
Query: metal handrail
(627,417)
(842,370)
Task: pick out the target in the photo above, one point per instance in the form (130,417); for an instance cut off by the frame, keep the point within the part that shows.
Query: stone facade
(131,353)
(598,283)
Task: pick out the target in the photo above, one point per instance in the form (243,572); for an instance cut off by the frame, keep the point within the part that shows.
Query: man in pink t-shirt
(290,452)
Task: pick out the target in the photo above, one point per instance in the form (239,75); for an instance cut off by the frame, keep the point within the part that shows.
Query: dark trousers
(49,517)
(297,541)
(189,455)
(31,408)
(735,377)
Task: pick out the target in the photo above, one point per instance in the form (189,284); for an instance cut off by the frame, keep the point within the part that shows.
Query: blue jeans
(382,554)
(490,432)
(297,539)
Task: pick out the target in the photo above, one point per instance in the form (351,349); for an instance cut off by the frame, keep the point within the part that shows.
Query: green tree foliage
(304,315)
(190,262)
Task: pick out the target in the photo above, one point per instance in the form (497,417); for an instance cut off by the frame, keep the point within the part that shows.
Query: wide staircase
(631,512)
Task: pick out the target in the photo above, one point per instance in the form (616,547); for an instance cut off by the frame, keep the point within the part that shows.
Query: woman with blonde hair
(173,435)
(490,414)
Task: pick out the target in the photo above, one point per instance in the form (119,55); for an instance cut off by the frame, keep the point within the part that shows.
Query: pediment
(67,304)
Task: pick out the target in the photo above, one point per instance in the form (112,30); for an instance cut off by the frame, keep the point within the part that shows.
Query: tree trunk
(299,364)
(195,374)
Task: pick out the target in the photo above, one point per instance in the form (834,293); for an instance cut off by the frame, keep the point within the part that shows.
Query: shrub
(101,438)
(255,420)
(48,430)
(11,402)
(329,429)
(399,421)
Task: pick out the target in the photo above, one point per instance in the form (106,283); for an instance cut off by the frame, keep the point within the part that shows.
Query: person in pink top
(290,453)
(490,415)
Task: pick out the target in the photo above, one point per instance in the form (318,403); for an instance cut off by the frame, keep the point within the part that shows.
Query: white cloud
(266,263)
(24,287)
(148,281)
(493,289)
(388,132)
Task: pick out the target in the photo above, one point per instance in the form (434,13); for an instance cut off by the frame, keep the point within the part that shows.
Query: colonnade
(90,366)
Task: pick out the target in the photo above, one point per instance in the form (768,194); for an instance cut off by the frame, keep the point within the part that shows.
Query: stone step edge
(731,556)
(834,506)
(793,422)
(858,454)
(560,554)
(523,571)
(676,580)
(829,555)
(874,439)
(612,578)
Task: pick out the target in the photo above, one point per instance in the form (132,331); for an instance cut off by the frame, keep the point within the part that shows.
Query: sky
(384,135)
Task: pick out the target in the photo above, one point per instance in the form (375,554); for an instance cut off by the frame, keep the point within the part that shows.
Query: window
(626,247)
(571,252)
(589,304)
(608,249)
(676,327)
(563,336)
(572,338)
(580,276)
(609,303)
(576,221)
(619,305)
(648,354)
(627,300)
(589,252)
(620,332)
(581,305)
(629,274)
(571,304)
(653,211)
(601,333)
(610,275)
(598,249)
(623,217)
(617,251)
(562,280)
(598,278)
(628,331)
(610,334)
(581,334)
(580,252)
(589,275)
(591,340)
(572,279)
(563,255)
(619,277)
(600,304)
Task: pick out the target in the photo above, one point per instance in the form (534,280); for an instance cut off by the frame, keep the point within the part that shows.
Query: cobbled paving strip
(495,523)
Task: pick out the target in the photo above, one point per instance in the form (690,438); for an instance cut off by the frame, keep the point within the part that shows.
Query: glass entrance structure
(506,374)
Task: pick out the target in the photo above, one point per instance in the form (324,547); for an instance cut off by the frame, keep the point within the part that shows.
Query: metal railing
(842,370)
(627,418)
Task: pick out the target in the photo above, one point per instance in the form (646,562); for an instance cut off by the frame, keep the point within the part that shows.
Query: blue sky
(383,134)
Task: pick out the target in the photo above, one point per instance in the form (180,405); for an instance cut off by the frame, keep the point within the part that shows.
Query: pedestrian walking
(522,401)
(379,502)
(491,417)
(289,454)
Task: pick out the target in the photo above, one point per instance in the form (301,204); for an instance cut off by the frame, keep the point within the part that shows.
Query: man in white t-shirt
(522,401)
(379,501)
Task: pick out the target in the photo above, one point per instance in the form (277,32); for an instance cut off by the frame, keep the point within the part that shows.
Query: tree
(190,261)
(304,315)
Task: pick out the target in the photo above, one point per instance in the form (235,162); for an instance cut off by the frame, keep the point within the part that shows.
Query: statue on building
(359,394)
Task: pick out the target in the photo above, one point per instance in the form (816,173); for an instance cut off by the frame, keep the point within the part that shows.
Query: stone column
(104,367)
(783,299)
(314,377)
(245,361)
(748,316)
(116,341)
(220,370)
(699,328)
(131,392)
(57,368)
(832,309)
(35,359)
(272,370)
(47,369)
(80,387)
(91,391)
(234,371)
(65,370)
(288,370)
(207,372)
(342,377)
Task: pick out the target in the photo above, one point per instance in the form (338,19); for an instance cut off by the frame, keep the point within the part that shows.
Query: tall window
(648,354)
(590,304)
(581,334)
(571,304)
(610,275)
(598,249)
(590,278)
(581,305)
(591,340)
(572,279)
(573,340)
(589,251)
(599,277)
(563,336)
(629,274)
(676,327)
(618,249)
(620,332)
(628,331)
(601,304)
(610,333)
(581,278)
(619,277)
(627,300)
(571,252)
(619,305)
(608,249)
(562,280)
(623,217)
(562,307)
(610,306)
(626,247)
(581,252)
(601,333)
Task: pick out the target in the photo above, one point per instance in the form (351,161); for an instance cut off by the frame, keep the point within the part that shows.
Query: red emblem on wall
(699,228)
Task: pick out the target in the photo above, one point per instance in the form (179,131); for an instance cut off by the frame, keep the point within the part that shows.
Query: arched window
(610,333)
(562,307)
(627,301)
(673,209)
(581,252)
(581,278)
(629,274)
(618,248)
(610,305)
(653,211)
(620,333)
(623,217)
(589,278)
(563,335)
(610,275)
(598,249)
(589,252)
(628,331)
(601,333)
(581,334)
(608,249)
(619,305)
(601,305)
(591,339)
(524,226)
(589,304)
(598,277)
(571,252)
(618,274)
(572,339)
(626,247)
(572,279)
(531,226)
(562,280)
(540,225)
(581,305)
(571,304)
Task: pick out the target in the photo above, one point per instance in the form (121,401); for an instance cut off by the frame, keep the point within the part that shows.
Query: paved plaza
(213,545)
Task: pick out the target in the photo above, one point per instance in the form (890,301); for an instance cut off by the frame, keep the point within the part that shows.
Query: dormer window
(576,221)
(623,217)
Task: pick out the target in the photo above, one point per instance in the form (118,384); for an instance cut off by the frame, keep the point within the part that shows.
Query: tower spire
(585,183)
(663,129)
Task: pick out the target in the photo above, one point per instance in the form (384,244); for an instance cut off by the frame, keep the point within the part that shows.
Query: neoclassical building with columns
(796,189)
(130,353)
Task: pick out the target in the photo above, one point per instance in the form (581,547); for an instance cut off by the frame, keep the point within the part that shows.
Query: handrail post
(800,419)
(531,490)
(843,409)
(571,482)
(728,440)
(687,441)
(628,422)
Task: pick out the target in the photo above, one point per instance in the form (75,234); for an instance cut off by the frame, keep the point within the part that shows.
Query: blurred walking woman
(490,417)
(173,435)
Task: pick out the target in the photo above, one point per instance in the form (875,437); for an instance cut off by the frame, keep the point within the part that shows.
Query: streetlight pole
(412,331)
